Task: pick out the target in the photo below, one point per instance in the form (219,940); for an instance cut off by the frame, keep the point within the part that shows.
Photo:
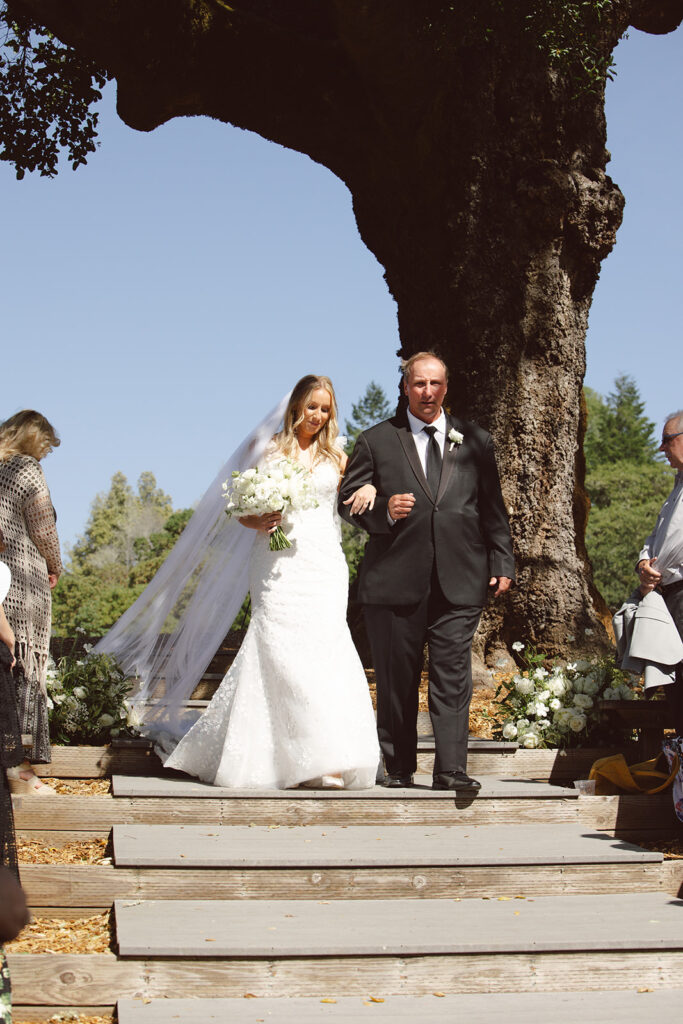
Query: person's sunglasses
(669,437)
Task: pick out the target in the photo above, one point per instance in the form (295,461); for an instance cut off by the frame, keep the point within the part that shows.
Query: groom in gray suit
(439,542)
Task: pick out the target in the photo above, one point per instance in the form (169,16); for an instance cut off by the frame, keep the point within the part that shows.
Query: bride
(294,708)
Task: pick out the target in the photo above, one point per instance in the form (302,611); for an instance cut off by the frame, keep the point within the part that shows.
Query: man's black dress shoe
(397,781)
(455,780)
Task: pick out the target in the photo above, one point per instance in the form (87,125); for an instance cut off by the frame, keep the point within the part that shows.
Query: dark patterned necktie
(433,460)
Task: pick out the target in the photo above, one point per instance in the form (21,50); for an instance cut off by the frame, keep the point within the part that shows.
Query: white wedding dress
(294,705)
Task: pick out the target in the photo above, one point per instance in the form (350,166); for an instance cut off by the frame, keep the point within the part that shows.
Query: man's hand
(502,583)
(52,579)
(400,505)
(648,575)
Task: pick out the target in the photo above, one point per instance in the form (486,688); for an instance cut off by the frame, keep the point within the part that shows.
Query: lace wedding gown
(295,703)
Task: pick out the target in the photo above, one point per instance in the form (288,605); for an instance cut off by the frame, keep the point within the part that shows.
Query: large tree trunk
(477,172)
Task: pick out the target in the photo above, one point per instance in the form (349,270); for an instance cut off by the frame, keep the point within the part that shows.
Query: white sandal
(31,786)
(324,782)
(332,782)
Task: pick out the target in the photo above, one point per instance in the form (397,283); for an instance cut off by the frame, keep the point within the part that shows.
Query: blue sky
(157,301)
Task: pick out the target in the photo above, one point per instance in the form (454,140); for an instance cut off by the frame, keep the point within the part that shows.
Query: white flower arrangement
(557,707)
(86,698)
(455,437)
(276,487)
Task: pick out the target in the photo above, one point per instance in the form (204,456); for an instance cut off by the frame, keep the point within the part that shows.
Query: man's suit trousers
(397,637)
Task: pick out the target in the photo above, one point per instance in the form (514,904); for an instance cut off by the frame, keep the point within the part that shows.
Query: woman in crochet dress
(27,521)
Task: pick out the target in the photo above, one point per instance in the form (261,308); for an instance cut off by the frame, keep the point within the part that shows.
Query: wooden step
(97,979)
(262,846)
(486,757)
(626,1007)
(89,762)
(629,816)
(629,922)
(91,889)
(492,788)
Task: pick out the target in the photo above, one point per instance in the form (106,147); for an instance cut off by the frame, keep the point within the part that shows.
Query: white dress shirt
(421,439)
(417,429)
(665,543)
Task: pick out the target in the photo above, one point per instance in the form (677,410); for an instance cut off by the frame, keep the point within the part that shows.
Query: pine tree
(368,410)
(618,429)
(626,481)
(126,539)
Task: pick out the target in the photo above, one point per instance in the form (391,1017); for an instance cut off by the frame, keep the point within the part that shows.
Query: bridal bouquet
(278,487)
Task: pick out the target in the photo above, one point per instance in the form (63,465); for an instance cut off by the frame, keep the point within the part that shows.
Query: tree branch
(657,17)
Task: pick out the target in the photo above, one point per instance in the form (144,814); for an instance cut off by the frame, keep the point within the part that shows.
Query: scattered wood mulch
(671,848)
(78,851)
(482,710)
(72,1016)
(482,706)
(80,787)
(57,935)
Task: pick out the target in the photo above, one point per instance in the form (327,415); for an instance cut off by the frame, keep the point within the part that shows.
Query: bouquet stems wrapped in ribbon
(276,487)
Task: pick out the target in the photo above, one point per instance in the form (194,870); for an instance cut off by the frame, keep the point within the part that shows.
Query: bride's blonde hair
(324,446)
(27,433)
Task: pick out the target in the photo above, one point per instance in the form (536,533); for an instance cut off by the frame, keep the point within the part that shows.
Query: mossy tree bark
(477,171)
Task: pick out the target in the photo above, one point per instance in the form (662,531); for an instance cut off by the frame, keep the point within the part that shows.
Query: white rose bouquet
(557,707)
(276,487)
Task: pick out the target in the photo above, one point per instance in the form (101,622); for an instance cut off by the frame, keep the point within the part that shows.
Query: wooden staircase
(396,904)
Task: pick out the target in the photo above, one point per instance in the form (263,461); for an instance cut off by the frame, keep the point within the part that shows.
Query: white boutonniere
(455,437)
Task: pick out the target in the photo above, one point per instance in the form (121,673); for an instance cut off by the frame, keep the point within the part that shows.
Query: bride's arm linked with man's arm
(357,480)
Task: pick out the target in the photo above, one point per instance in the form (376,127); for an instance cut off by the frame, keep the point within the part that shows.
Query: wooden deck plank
(61,837)
(63,980)
(93,814)
(262,846)
(342,928)
(672,877)
(23,1014)
(96,762)
(489,1008)
(91,889)
(485,757)
(492,788)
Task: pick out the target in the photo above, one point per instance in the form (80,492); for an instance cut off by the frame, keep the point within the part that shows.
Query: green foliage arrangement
(47,92)
(558,707)
(627,483)
(87,698)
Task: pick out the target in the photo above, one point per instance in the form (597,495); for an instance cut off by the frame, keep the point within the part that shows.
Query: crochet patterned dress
(27,520)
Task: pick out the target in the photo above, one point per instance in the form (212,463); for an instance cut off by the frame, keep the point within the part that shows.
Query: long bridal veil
(171,633)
